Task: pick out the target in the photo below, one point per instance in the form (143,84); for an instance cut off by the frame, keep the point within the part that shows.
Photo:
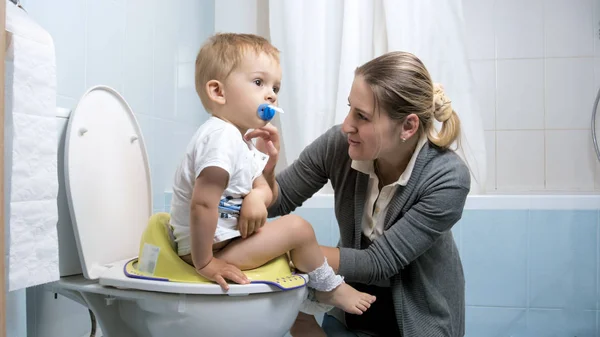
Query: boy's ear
(215,91)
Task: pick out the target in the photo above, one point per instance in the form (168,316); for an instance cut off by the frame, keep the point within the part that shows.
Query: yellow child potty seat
(158,261)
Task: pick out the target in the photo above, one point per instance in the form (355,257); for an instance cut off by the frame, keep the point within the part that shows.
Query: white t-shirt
(216,143)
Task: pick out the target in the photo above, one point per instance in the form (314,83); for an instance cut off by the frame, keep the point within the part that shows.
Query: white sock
(324,278)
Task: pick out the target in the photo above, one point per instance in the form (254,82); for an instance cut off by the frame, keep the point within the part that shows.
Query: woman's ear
(215,91)
(410,126)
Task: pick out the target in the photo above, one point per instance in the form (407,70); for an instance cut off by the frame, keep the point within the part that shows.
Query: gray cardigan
(417,252)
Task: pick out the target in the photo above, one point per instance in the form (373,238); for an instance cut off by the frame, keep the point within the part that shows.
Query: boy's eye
(275,89)
(258,82)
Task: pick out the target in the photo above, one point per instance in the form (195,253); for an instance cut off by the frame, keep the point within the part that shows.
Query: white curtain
(322,42)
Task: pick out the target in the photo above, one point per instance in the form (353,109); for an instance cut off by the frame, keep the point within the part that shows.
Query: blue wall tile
(335,230)
(456,233)
(496,322)
(562,259)
(168,197)
(320,219)
(560,323)
(494,255)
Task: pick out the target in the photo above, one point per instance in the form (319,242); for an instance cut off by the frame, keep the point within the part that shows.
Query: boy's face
(255,81)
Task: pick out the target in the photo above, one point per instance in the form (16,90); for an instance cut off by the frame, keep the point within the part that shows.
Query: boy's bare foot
(346,298)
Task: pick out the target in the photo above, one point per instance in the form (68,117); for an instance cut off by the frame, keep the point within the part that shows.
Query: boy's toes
(362,307)
(356,311)
(365,304)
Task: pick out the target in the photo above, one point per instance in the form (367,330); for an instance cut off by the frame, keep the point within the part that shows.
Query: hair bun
(442,107)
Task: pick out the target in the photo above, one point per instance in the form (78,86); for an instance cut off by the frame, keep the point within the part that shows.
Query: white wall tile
(597,176)
(192,16)
(105,43)
(165,62)
(520,160)
(569,28)
(597,126)
(138,56)
(519,27)
(480,29)
(66,25)
(484,76)
(490,148)
(597,27)
(570,160)
(242,20)
(520,94)
(597,73)
(569,93)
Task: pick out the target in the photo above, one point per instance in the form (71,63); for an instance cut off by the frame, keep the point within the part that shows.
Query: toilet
(106,223)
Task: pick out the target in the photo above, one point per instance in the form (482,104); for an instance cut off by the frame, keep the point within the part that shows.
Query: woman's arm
(305,176)
(431,216)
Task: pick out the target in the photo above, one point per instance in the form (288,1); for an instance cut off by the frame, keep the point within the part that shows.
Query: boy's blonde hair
(222,53)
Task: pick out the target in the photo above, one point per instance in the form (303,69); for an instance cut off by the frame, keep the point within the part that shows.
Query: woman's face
(370,133)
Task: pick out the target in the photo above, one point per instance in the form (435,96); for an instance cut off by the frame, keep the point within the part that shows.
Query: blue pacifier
(266,112)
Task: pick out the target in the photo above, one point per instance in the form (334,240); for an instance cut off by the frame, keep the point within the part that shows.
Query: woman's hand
(267,142)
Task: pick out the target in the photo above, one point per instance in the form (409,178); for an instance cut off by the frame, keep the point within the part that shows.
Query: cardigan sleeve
(307,174)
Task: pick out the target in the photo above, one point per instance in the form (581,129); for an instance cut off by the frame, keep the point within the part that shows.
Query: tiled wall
(536,65)
(145,49)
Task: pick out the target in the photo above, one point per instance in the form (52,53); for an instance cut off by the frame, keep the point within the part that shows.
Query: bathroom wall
(145,49)
(536,65)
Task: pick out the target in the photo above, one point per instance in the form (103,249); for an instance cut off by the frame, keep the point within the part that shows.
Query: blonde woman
(399,189)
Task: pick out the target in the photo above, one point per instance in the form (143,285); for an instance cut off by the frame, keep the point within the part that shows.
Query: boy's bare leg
(306,326)
(292,233)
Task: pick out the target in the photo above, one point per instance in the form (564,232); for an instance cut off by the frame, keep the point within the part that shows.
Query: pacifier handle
(266,112)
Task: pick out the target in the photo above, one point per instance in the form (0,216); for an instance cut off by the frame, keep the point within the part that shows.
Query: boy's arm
(204,214)
(261,187)
(253,213)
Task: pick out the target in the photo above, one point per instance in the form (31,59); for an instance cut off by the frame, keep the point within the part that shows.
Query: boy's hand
(219,270)
(267,142)
(253,214)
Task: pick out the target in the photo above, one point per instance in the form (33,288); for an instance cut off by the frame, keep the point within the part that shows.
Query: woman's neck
(390,167)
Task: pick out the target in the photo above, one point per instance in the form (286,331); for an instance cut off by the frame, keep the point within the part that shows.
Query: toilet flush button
(133,138)
(82,131)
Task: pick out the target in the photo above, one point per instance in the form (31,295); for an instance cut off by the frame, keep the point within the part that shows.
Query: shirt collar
(367,167)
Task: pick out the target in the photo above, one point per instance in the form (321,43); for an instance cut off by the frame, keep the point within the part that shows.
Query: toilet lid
(107,180)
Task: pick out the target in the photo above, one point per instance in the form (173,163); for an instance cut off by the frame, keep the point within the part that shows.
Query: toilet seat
(115,277)
(105,153)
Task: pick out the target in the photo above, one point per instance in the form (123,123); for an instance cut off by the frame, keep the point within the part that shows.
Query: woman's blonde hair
(402,86)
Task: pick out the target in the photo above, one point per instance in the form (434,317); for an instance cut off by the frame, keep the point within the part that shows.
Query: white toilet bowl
(107,192)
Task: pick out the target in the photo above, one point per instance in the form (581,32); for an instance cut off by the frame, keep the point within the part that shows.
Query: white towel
(31,147)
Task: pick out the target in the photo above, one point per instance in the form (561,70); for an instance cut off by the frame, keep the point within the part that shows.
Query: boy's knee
(300,228)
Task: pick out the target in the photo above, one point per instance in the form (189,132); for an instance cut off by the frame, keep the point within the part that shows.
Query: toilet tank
(68,255)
